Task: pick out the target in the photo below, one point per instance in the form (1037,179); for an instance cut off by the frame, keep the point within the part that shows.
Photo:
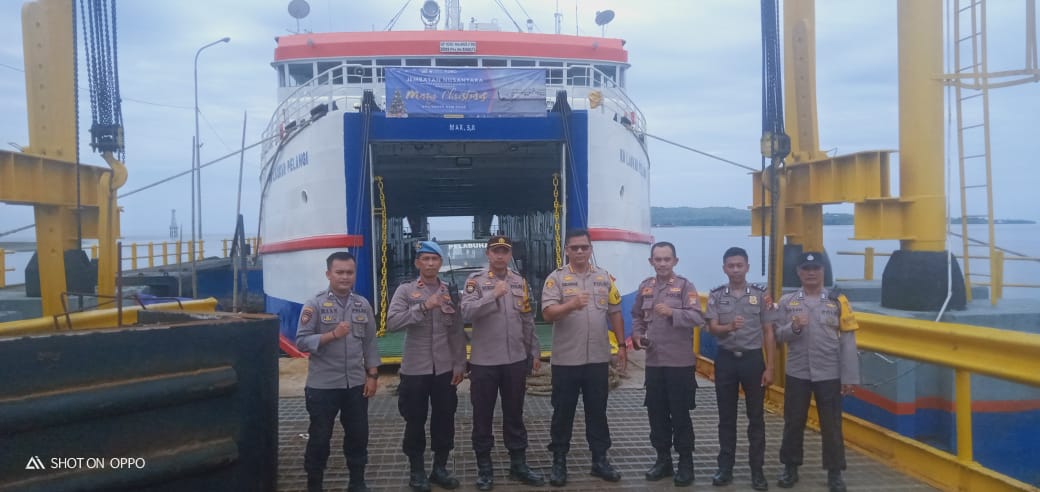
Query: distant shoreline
(730,216)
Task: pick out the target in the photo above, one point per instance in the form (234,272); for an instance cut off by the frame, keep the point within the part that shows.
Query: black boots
(314,480)
(417,474)
(485,472)
(662,467)
(602,468)
(440,476)
(518,469)
(558,475)
(834,481)
(724,476)
(789,477)
(684,475)
(357,479)
(758,479)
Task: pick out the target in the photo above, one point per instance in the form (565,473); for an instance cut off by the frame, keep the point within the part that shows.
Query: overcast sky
(695,74)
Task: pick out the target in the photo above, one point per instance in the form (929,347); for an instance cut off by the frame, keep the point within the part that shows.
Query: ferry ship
(376,132)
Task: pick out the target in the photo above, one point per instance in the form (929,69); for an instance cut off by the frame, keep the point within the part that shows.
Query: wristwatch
(371,376)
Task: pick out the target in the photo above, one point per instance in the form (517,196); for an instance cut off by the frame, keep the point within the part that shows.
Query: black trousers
(796,410)
(323,405)
(433,393)
(591,380)
(486,384)
(731,374)
(670,395)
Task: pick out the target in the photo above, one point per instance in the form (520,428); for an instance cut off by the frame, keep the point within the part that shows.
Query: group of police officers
(337,327)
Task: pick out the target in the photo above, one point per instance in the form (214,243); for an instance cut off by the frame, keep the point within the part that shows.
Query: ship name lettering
(633,162)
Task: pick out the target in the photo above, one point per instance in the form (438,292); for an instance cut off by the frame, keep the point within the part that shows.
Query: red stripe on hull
(608,234)
(314,242)
(938,403)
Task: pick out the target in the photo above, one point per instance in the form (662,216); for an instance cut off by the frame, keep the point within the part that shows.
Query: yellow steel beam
(921,182)
(1003,354)
(50,91)
(800,80)
(101,318)
(27,179)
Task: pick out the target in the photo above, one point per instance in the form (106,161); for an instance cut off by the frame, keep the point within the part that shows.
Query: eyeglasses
(580,247)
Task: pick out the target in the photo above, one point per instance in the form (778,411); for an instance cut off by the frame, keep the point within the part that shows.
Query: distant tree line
(729,216)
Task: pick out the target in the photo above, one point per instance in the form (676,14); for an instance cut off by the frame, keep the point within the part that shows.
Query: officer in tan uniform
(338,329)
(739,317)
(664,314)
(497,302)
(819,329)
(433,364)
(584,305)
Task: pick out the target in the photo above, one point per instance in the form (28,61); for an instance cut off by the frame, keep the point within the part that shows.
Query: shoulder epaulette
(758,286)
(716,289)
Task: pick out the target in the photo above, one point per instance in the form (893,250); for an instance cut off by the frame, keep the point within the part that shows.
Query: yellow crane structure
(46,174)
(916,275)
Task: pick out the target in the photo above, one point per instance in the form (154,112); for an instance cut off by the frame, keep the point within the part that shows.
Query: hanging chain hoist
(556,220)
(382,269)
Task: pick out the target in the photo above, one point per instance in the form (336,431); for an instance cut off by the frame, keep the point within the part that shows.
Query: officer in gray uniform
(497,302)
(433,364)
(664,314)
(338,329)
(584,305)
(822,361)
(739,316)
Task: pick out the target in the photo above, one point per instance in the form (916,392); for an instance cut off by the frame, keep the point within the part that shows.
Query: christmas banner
(473,92)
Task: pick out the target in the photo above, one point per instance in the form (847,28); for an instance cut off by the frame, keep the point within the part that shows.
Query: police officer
(739,316)
(497,302)
(583,303)
(818,327)
(338,329)
(664,314)
(432,365)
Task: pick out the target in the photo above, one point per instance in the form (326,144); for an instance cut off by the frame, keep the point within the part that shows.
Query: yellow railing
(3,267)
(967,349)
(154,254)
(996,282)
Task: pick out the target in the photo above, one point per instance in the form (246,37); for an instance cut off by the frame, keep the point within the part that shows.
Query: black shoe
(314,482)
(789,477)
(485,472)
(834,481)
(558,474)
(518,469)
(357,479)
(723,476)
(661,468)
(417,474)
(440,476)
(758,479)
(602,468)
(684,472)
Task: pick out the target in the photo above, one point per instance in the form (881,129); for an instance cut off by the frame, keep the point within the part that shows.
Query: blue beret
(429,247)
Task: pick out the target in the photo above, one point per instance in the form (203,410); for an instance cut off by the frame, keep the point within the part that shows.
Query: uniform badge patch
(307,314)
(550,284)
(327,304)
(602,302)
(648,291)
(416,295)
(676,289)
(360,318)
(327,318)
(568,278)
(752,300)
(470,286)
(599,277)
(570,291)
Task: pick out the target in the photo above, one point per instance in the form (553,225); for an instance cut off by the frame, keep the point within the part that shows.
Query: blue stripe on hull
(1008,446)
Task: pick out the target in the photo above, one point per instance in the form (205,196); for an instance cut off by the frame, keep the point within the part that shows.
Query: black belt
(739,353)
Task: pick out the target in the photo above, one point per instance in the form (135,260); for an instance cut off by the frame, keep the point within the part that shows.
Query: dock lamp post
(196,171)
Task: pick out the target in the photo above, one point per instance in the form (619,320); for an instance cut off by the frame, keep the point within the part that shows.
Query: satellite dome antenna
(431,14)
(602,19)
(299,9)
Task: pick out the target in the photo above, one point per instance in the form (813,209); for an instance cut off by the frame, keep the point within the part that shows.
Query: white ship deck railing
(342,88)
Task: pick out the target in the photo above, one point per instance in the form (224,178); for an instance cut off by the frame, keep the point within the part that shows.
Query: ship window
(418,62)
(554,76)
(456,62)
(389,62)
(359,75)
(494,62)
(522,63)
(335,77)
(610,71)
(281,75)
(544,63)
(300,73)
(578,76)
